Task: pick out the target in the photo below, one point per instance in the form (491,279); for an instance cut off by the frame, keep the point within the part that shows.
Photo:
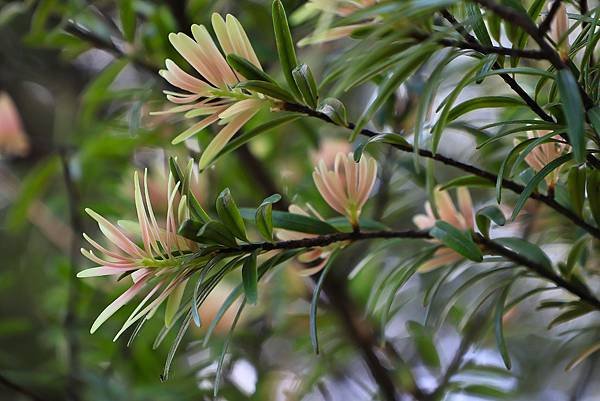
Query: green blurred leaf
(173,302)
(499,327)
(403,70)
(424,344)
(244,137)
(32,187)
(574,256)
(99,90)
(533,183)
(593,192)
(578,310)
(456,240)
(484,391)
(582,356)
(314,339)
(483,102)
(476,20)
(196,209)
(127,18)
(219,372)
(576,185)
(392,139)
(472,181)
(594,116)
(574,112)
(440,124)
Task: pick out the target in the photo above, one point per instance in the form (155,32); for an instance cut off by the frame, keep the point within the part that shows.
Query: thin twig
(478,47)
(524,22)
(540,270)
(508,184)
(108,45)
(545,25)
(360,334)
(486,243)
(17,388)
(327,239)
(510,81)
(513,84)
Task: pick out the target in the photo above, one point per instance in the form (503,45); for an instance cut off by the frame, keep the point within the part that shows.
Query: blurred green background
(83,77)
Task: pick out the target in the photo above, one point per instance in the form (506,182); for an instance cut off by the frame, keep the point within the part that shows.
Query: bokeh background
(82,77)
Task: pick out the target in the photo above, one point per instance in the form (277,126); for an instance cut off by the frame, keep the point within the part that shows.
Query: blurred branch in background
(4,381)
(74,381)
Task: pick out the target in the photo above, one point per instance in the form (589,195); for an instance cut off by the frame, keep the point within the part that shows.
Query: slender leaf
(393,139)
(305,82)
(399,75)
(472,181)
(582,356)
(533,183)
(593,192)
(230,214)
(335,110)
(264,217)
(285,45)
(486,215)
(576,185)
(424,344)
(526,249)
(483,102)
(294,222)
(499,327)
(250,278)
(315,300)
(267,88)
(456,240)
(248,70)
(573,110)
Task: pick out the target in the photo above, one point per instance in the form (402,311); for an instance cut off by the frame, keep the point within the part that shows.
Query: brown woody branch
(545,25)
(508,184)
(524,22)
(512,83)
(486,243)
(478,47)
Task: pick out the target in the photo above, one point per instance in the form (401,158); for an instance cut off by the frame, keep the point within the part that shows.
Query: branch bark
(545,25)
(510,81)
(524,22)
(513,84)
(107,45)
(487,244)
(478,47)
(508,184)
